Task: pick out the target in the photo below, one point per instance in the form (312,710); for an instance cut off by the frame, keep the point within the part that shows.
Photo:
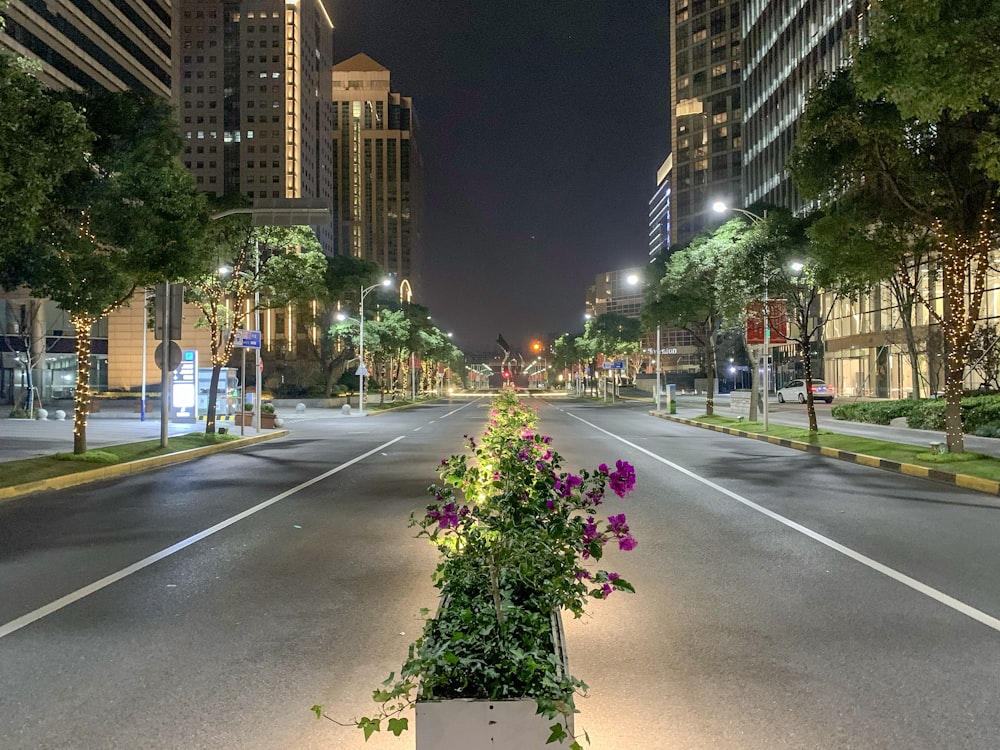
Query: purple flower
(622,481)
(564,485)
(617,525)
(627,543)
(447,515)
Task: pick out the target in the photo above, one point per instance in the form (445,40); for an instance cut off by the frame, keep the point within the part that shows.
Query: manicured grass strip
(27,470)
(937,464)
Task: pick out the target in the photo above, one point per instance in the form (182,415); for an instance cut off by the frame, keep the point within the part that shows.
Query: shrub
(874,412)
(927,415)
(267,408)
(990,430)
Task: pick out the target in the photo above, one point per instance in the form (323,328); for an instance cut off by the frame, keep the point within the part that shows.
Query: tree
(572,352)
(343,277)
(613,335)
(248,266)
(778,252)
(386,338)
(42,137)
(937,62)
(686,296)
(886,175)
(129,217)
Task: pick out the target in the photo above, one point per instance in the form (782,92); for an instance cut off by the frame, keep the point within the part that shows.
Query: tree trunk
(713,376)
(954,430)
(804,345)
(213,397)
(82,324)
(754,381)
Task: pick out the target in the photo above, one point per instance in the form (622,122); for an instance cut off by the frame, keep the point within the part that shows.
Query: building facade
(100,44)
(253,97)
(660,213)
(706,113)
(377,195)
(788,47)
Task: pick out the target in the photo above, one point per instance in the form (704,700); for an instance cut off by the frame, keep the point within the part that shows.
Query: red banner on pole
(778,314)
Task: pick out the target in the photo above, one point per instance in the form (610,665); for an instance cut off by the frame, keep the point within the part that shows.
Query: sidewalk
(29,438)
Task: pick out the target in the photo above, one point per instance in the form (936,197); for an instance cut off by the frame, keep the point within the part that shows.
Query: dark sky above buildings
(542,125)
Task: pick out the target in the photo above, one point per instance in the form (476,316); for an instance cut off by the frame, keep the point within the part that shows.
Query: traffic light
(506,374)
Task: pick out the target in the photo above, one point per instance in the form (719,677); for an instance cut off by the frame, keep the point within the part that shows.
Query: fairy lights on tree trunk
(82,324)
(964,265)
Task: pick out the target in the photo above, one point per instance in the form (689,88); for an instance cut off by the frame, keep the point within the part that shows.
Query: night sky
(542,124)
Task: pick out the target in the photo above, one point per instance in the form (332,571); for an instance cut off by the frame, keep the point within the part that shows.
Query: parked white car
(796,391)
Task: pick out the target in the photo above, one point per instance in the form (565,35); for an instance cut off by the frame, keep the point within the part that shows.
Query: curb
(987,486)
(131,467)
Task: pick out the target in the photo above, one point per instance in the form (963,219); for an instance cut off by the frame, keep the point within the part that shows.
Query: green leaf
(318,710)
(398,726)
(368,726)
(558,734)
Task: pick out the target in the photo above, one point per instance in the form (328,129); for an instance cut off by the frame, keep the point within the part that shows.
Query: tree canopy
(128,216)
(42,137)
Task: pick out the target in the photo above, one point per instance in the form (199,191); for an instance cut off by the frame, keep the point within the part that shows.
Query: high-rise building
(619,292)
(787,49)
(659,213)
(706,112)
(100,44)
(377,171)
(252,94)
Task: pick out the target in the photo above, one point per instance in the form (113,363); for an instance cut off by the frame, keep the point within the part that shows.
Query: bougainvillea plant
(519,539)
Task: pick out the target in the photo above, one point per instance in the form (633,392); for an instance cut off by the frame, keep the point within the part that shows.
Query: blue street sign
(617,365)
(247,339)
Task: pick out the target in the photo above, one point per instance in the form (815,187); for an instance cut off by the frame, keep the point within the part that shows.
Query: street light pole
(361,345)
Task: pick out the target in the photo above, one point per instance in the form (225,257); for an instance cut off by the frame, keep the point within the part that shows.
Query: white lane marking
(96,586)
(913,583)
(417,429)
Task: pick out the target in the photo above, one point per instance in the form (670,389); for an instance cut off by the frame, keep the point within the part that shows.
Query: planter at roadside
(470,724)
(246,418)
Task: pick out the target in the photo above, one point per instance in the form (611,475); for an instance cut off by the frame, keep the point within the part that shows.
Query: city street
(784,600)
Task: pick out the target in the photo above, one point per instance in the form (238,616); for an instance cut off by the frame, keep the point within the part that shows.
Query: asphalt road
(785,600)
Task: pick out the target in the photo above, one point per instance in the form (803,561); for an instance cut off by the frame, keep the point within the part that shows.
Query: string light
(964,266)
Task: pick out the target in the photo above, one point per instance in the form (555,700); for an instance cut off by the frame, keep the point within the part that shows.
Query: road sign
(245,339)
(173,361)
(362,370)
(616,365)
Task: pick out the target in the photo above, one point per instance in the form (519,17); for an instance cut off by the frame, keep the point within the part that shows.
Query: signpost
(245,339)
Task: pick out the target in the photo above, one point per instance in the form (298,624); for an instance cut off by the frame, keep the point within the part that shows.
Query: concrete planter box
(246,418)
(464,724)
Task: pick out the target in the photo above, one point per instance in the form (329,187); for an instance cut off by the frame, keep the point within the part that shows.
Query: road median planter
(518,539)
